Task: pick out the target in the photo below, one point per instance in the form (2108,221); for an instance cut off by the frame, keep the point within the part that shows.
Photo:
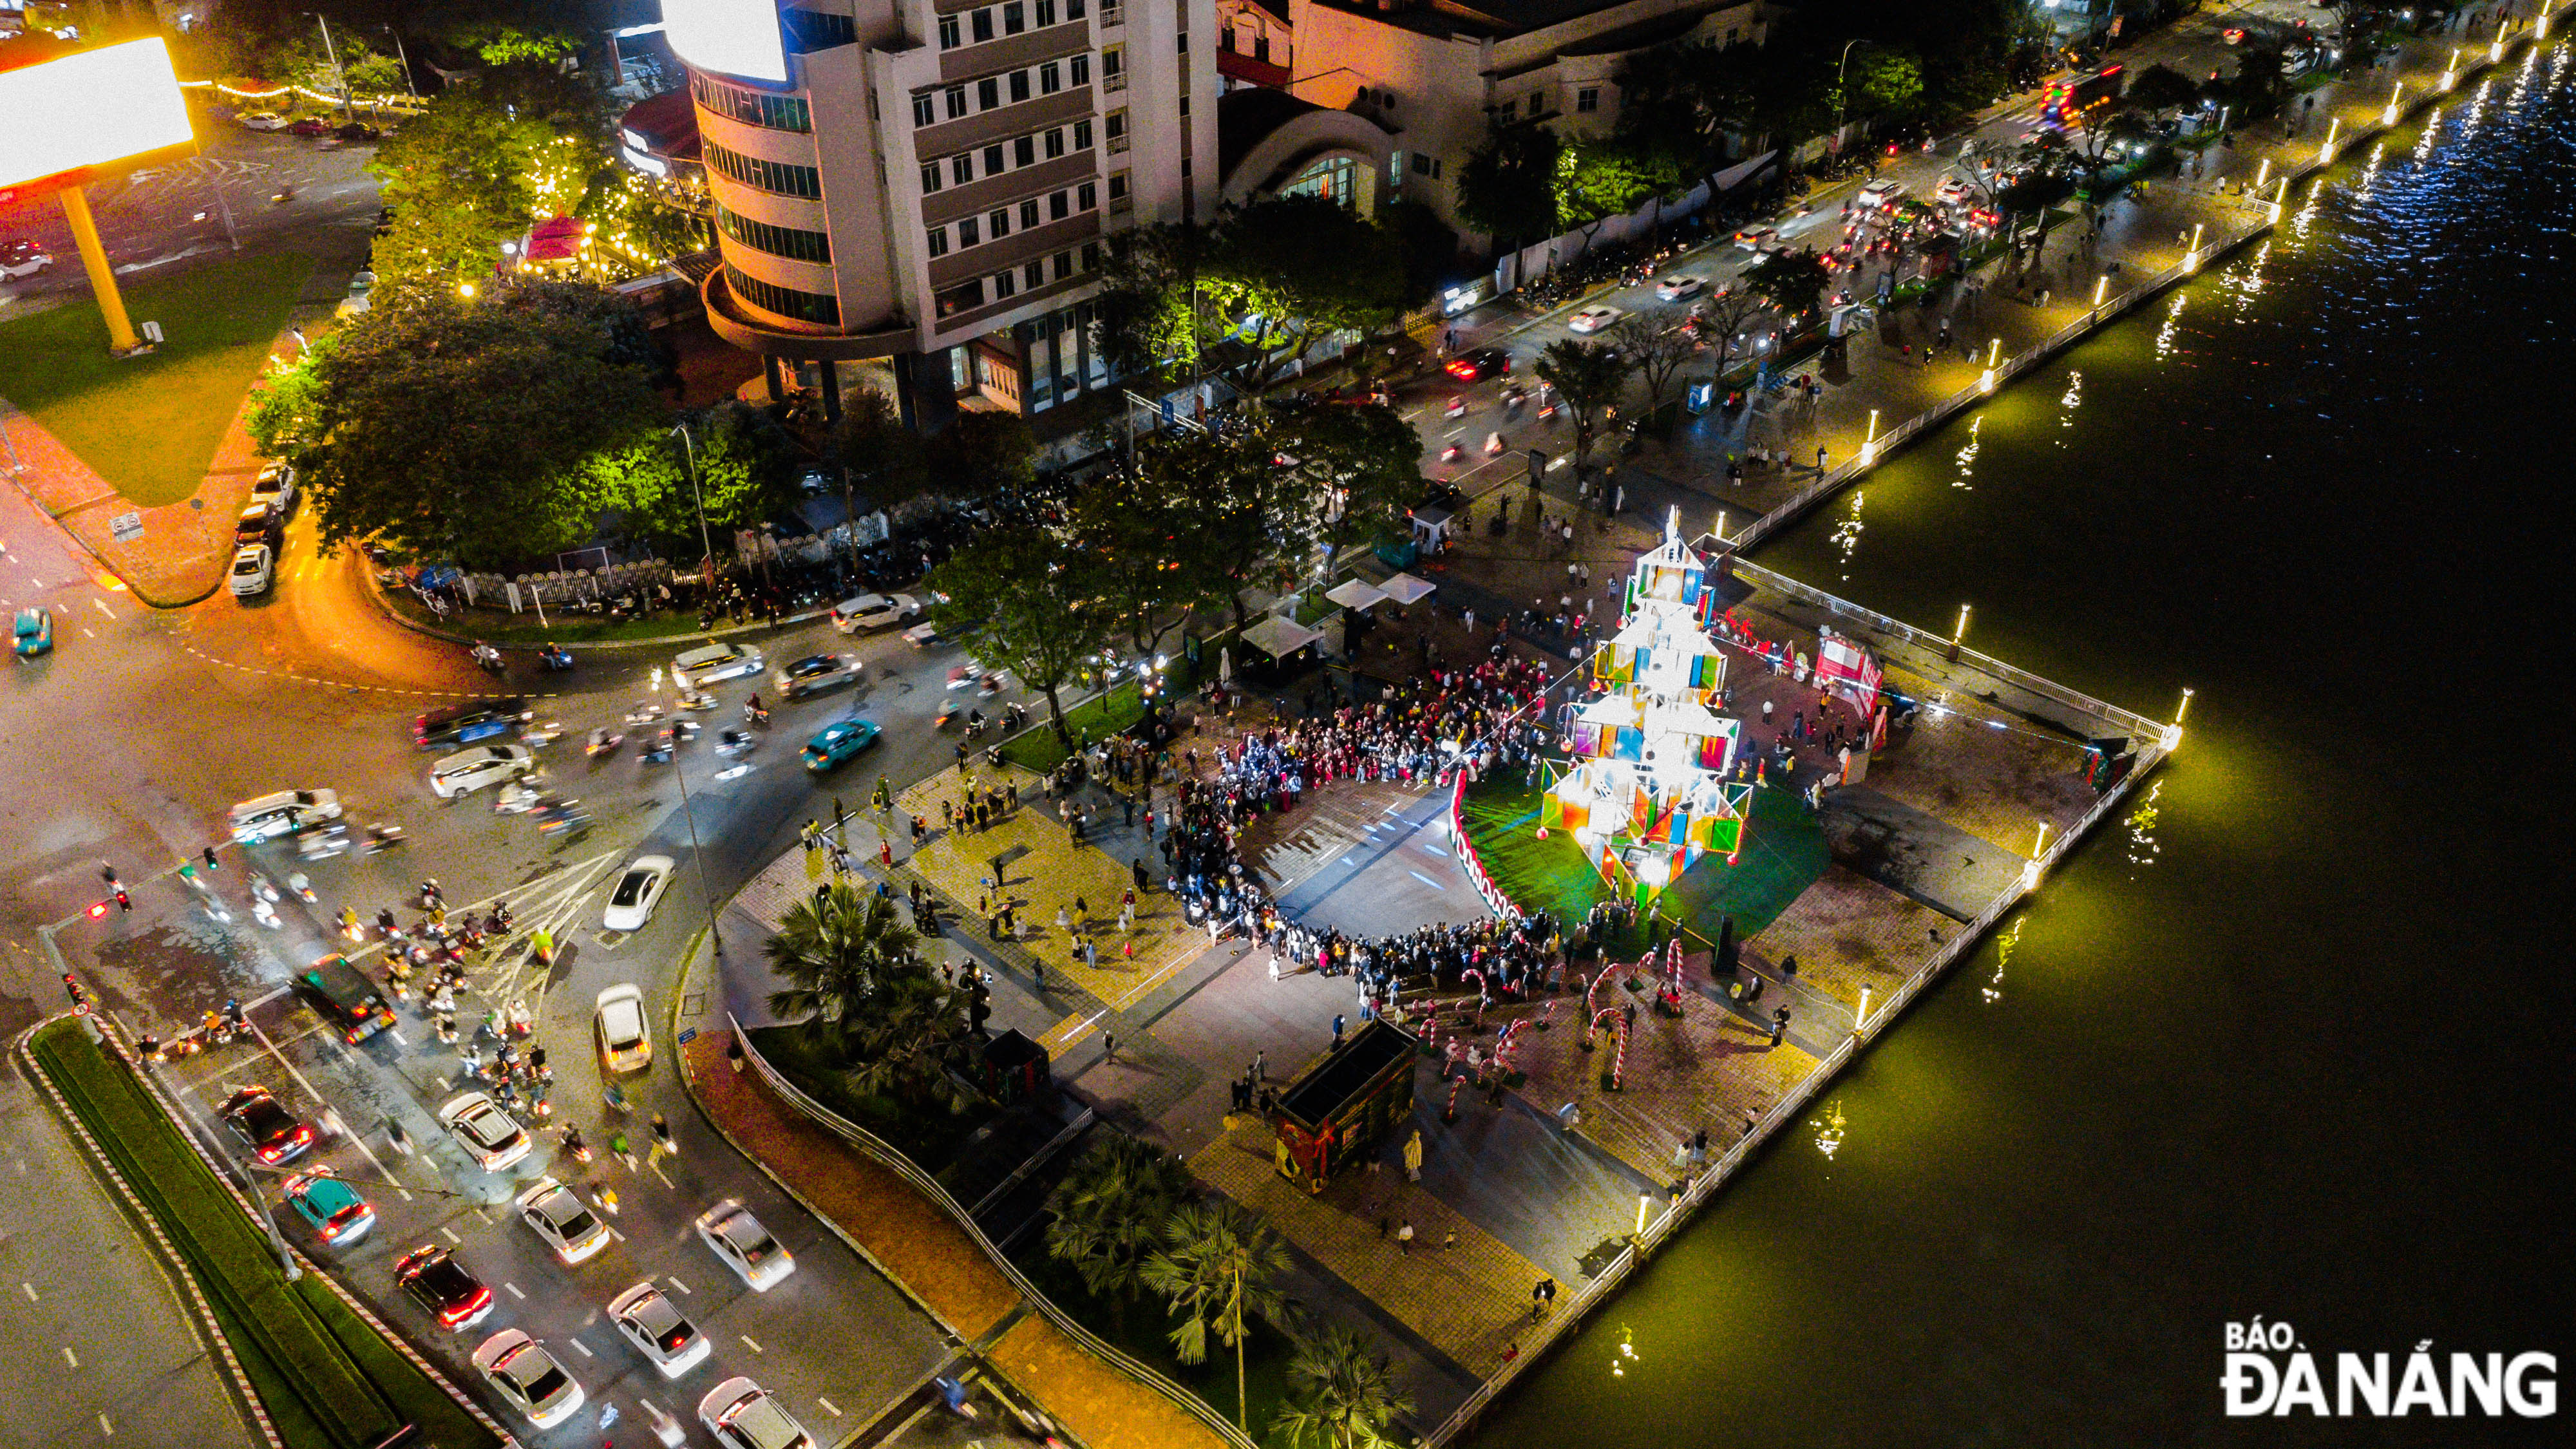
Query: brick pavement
(1847,931)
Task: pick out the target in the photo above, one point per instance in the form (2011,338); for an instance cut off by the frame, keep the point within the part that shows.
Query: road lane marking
(515,1293)
(747,1338)
(1426,880)
(70,1357)
(103,608)
(673,1280)
(451,1237)
(31,1292)
(105,1427)
(400,1039)
(828,1406)
(585,1349)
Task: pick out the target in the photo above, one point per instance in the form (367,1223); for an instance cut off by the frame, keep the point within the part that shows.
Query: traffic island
(316,1369)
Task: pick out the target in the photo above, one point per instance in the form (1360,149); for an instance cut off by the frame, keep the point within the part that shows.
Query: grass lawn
(1037,748)
(1784,850)
(931,1139)
(150,426)
(325,1378)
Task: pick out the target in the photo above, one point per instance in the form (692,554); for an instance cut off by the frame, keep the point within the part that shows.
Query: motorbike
(754,714)
(643,714)
(1457,407)
(381,838)
(975,725)
(731,743)
(554,658)
(1451,453)
(544,734)
(325,844)
(488,659)
(602,742)
(696,700)
(947,711)
(655,749)
(1493,444)
(516,798)
(989,685)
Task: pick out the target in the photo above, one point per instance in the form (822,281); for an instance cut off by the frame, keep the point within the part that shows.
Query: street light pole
(1839,95)
(679,771)
(404,56)
(706,540)
(348,111)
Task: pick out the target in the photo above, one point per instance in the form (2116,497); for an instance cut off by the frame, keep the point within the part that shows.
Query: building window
(1421,164)
(956,102)
(1113,68)
(752,108)
(1587,100)
(1019,85)
(1055,143)
(1395,170)
(1118,191)
(1050,78)
(1091,256)
(1063,265)
(1261,47)
(777,176)
(929,177)
(1081,69)
(1086,197)
(999,219)
(1033,274)
(1110,14)
(1015,17)
(949,39)
(961,168)
(1082,135)
(1028,213)
(769,297)
(993,161)
(1115,127)
(925,110)
(1059,206)
(964,298)
(1024,151)
(969,232)
(778,241)
(984,24)
(939,241)
(1225,40)
(1003,285)
(1184,38)
(1046,13)
(988,93)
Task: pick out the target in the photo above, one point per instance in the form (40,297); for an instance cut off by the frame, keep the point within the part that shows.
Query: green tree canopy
(1288,269)
(1508,186)
(1342,1393)
(887,463)
(1590,376)
(856,983)
(1024,599)
(1219,1268)
(1366,464)
(1109,1210)
(2162,90)
(1791,281)
(981,453)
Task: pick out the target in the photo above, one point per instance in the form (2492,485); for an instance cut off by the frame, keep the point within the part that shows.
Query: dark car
(440,1284)
(265,1127)
(345,997)
(463,724)
(1442,494)
(357,131)
(259,523)
(1480,364)
(309,126)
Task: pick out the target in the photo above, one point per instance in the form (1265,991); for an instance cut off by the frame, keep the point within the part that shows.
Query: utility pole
(405,57)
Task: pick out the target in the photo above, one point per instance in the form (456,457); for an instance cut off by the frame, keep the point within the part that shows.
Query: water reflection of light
(2307,214)
(1626,1355)
(1846,535)
(1965,469)
(2244,281)
(2004,944)
(2369,173)
(2143,848)
(1829,1128)
(2431,133)
(2173,324)
(2068,401)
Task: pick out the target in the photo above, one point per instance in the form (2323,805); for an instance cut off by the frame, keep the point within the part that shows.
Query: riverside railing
(893,1160)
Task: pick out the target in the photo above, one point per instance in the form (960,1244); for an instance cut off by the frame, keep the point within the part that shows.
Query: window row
(778,241)
(752,108)
(1011,281)
(950,103)
(1011,155)
(780,177)
(996,224)
(1010,18)
(814,307)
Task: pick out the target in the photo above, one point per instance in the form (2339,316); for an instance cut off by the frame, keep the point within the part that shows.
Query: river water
(2290,1041)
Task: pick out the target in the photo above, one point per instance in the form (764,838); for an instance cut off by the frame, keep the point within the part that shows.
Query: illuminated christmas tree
(1645,790)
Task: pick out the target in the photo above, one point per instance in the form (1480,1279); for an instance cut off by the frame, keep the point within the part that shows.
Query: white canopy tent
(1356,594)
(1279,637)
(1405,588)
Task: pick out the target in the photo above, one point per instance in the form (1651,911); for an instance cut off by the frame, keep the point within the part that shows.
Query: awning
(1279,637)
(1355,594)
(1405,588)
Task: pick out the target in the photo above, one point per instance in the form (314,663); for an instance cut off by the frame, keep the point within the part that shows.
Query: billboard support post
(102,278)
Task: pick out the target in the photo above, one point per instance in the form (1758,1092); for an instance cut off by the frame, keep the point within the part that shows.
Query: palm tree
(1217,1271)
(1340,1391)
(915,1040)
(840,953)
(1109,1213)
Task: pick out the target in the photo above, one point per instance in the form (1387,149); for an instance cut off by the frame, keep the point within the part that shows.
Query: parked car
(743,1415)
(32,636)
(712,663)
(490,1136)
(266,1128)
(874,611)
(814,674)
(357,131)
(1679,285)
(1482,363)
(259,523)
(442,1287)
(329,1207)
(1593,319)
(558,1215)
(308,126)
(648,1319)
(638,892)
(260,121)
(617,1020)
(736,1236)
(524,1373)
(275,485)
(254,570)
(837,743)
(22,258)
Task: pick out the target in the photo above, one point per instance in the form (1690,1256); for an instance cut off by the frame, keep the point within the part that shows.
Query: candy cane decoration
(1484,993)
(1619,1058)
(1605,1014)
(1508,1043)
(1450,1112)
(1673,970)
(1545,1013)
(1434,1047)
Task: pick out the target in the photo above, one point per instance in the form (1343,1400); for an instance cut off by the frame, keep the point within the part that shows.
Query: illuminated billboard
(729,37)
(89,109)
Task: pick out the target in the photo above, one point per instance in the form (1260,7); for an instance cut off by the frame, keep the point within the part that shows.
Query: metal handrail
(893,1159)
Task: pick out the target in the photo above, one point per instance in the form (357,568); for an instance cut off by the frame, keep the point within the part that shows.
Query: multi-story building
(929,182)
(1438,73)
(1254,46)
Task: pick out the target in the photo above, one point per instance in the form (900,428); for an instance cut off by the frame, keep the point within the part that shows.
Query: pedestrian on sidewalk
(1337,1031)
(1451,1240)
(1779,1024)
(1108,1048)
(1404,1239)
(1261,1065)
(663,1146)
(733,1054)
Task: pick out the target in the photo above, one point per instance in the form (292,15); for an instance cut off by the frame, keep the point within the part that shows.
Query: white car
(1680,285)
(1952,190)
(1881,193)
(638,892)
(557,1214)
(489,1135)
(254,570)
(1752,238)
(747,1248)
(467,771)
(260,121)
(625,1042)
(276,484)
(743,1415)
(709,663)
(657,1328)
(22,258)
(520,1368)
(1593,319)
(813,675)
(362,286)
(874,611)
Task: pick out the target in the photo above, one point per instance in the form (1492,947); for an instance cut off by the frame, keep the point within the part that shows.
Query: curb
(131,587)
(376,595)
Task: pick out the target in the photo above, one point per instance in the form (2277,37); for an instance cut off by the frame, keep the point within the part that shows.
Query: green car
(330,1207)
(35,632)
(839,742)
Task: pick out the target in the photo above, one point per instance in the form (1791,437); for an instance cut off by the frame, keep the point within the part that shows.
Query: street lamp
(2326,152)
(705,540)
(2191,258)
(1839,96)
(680,772)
